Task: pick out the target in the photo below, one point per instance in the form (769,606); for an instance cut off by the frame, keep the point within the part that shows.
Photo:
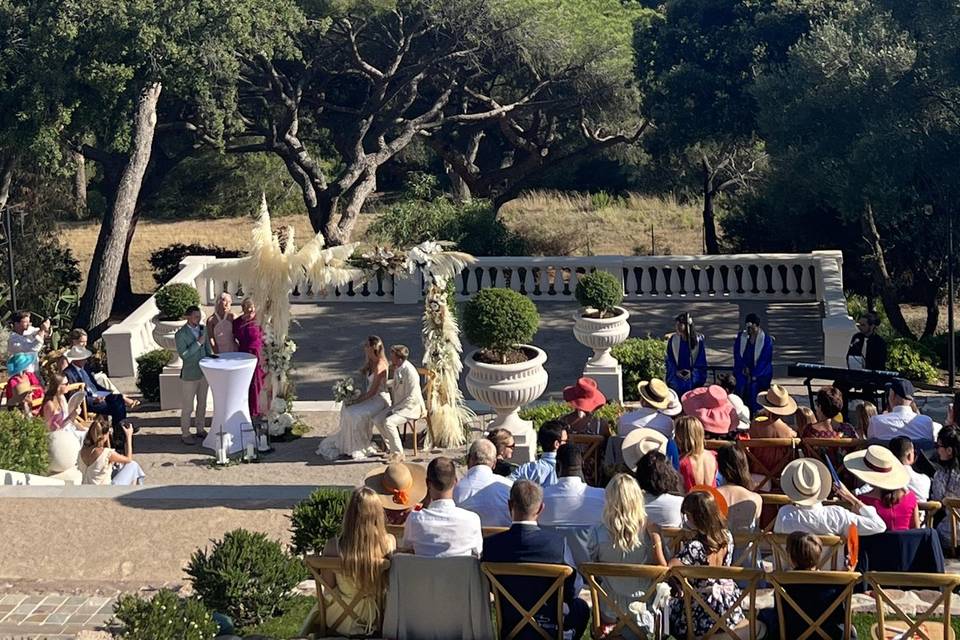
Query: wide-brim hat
(399,485)
(584,395)
(806,481)
(712,407)
(777,401)
(722,505)
(19,362)
(77,352)
(743,414)
(639,443)
(674,408)
(655,393)
(878,467)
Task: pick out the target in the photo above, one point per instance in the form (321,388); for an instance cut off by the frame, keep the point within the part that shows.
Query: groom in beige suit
(406,398)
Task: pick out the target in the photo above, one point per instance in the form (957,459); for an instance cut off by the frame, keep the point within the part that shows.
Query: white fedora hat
(639,443)
(806,481)
(877,466)
(77,353)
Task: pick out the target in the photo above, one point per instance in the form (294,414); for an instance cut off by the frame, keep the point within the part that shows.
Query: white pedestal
(170,388)
(609,380)
(229,378)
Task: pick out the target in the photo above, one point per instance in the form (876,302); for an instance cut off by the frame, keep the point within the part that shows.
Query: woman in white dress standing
(355,437)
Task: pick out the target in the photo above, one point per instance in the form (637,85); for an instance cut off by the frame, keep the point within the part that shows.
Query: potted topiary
(505,371)
(602,323)
(172,300)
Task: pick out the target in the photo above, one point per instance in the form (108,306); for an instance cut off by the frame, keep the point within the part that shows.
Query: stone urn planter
(508,387)
(601,334)
(163,334)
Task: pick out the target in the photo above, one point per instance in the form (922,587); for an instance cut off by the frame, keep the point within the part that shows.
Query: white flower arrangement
(279,418)
(345,389)
(279,357)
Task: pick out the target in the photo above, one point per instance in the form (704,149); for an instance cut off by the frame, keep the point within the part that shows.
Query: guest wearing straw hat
(99,400)
(584,398)
(442,529)
(639,443)
(775,405)
(711,406)
(24,388)
(807,483)
(656,401)
(879,468)
(400,486)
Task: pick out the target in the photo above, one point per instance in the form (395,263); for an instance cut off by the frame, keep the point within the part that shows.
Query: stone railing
(813,277)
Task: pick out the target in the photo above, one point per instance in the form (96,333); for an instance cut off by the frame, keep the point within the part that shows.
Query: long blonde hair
(363,543)
(688,434)
(623,513)
(375,343)
(804,417)
(97,431)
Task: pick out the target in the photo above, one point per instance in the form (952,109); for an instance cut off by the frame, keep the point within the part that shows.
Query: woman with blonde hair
(625,536)
(363,548)
(697,465)
(97,459)
(355,437)
(865,411)
(56,410)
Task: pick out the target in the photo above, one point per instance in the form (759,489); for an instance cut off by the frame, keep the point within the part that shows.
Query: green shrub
(857,307)
(23,443)
(317,519)
(164,617)
(165,262)
(499,319)
(173,300)
(912,360)
(600,290)
(540,413)
(641,359)
(245,576)
(149,367)
(938,346)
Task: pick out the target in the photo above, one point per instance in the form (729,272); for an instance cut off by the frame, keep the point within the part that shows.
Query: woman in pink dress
(220,326)
(249,339)
(895,504)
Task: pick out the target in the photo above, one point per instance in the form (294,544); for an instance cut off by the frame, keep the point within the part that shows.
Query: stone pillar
(609,380)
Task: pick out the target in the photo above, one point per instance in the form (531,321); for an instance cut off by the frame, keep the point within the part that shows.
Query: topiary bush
(246,576)
(23,443)
(641,359)
(538,414)
(317,519)
(165,262)
(166,616)
(600,290)
(149,367)
(496,320)
(912,360)
(173,300)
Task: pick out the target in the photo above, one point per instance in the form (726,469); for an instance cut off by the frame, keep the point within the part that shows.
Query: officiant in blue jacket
(686,357)
(752,361)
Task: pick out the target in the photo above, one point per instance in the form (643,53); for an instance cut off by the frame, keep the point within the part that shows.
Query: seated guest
(543,470)
(660,484)
(641,441)
(895,504)
(569,501)
(711,406)
(655,399)
(803,418)
(25,338)
(56,409)
(99,400)
(743,503)
(807,482)
(503,440)
(776,405)
(481,490)
(711,546)
(584,398)
(864,413)
(902,447)
(442,529)
(901,419)
(363,547)
(23,386)
(829,404)
(401,487)
(97,458)
(946,480)
(697,465)
(728,383)
(527,542)
(78,338)
(625,537)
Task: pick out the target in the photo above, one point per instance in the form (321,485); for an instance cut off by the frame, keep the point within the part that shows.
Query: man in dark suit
(527,542)
(868,350)
(99,400)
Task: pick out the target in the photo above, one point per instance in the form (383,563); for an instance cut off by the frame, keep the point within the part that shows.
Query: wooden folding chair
(398,529)
(830,556)
(928,509)
(317,620)
(624,619)
(558,572)
(952,508)
(928,625)
(691,595)
(746,544)
(845,579)
(590,444)
(83,417)
(813,447)
(769,474)
(411,424)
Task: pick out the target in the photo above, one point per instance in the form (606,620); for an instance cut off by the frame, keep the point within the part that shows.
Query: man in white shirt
(26,338)
(570,502)
(807,482)
(659,404)
(442,529)
(901,420)
(482,491)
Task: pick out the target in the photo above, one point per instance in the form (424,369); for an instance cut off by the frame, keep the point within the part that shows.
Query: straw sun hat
(777,401)
(655,393)
(399,485)
(878,467)
(639,443)
(806,481)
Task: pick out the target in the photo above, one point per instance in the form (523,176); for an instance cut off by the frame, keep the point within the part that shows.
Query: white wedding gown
(355,437)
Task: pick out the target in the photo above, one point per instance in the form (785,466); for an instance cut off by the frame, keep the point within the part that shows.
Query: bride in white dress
(355,437)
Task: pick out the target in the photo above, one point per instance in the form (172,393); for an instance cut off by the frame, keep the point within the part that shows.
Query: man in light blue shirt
(543,470)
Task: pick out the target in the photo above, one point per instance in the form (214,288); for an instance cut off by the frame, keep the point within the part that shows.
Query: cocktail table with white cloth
(229,376)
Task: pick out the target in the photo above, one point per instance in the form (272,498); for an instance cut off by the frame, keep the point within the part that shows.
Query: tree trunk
(710,242)
(104,272)
(125,296)
(881,275)
(458,186)
(79,185)
(933,318)
(352,200)
(7,163)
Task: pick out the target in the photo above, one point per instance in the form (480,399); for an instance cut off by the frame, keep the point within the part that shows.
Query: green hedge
(540,413)
(23,443)
(166,616)
(317,519)
(912,360)
(641,359)
(149,367)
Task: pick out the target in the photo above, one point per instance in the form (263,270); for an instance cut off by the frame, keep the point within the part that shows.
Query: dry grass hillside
(554,223)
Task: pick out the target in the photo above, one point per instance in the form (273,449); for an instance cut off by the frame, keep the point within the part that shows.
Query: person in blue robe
(686,357)
(752,361)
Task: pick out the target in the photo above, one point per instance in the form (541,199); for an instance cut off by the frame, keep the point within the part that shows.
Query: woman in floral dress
(712,546)
(249,337)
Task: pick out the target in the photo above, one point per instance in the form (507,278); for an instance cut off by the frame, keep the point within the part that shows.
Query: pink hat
(584,395)
(712,407)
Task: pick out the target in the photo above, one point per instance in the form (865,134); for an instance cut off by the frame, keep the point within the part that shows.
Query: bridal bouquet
(345,390)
